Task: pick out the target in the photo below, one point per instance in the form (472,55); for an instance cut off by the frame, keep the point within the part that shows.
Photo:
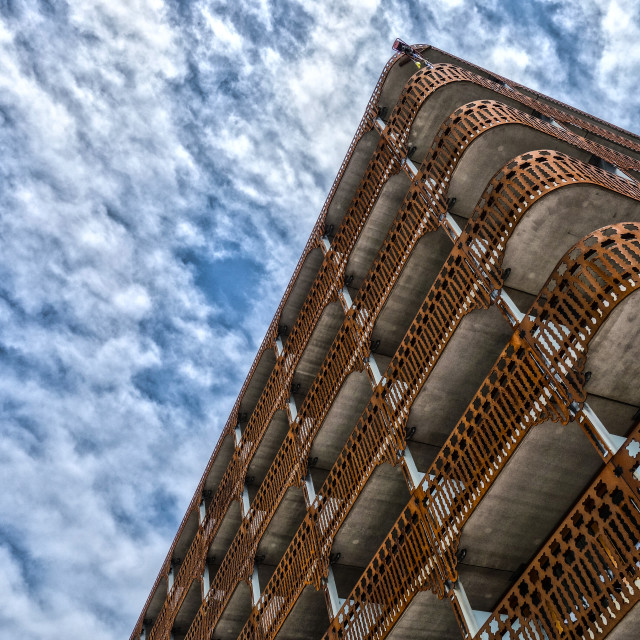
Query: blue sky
(162,166)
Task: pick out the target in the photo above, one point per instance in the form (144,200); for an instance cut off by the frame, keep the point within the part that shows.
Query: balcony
(283,526)
(547,473)
(317,347)
(383,498)
(408,294)
(489,152)
(350,181)
(224,537)
(308,619)
(338,424)
(257,383)
(155,605)
(187,611)
(375,230)
(219,466)
(552,225)
(267,449)
(439,106)
(426,617)
(235,614)
(299,291)
(464,363)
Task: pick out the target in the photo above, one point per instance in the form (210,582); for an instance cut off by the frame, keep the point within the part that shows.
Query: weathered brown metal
(425,82)
(536,379)
(519,393)
(587,576)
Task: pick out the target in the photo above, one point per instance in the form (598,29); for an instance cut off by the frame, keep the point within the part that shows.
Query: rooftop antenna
(402,47)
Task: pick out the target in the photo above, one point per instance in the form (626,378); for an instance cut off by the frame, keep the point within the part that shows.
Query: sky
(162,165)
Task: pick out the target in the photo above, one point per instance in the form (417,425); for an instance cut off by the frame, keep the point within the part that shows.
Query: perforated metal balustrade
(440,434)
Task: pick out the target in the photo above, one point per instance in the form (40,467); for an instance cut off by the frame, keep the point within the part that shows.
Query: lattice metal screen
(489,356)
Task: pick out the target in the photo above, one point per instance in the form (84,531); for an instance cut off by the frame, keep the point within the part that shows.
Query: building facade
(440,434)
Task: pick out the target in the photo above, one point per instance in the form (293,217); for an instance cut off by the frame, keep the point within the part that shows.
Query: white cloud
(146,145)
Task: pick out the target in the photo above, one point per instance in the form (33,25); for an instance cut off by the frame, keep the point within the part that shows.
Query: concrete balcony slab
(427,618)
(553,224)
(187,535)
(316,350)
(283,526)
(298,293)
(188,610)
(370,519)
(614,355)
(409,292)
(235,614)
(219,466)
(545,476)
(155,605)
(267,449)
(340,420)
(226,533)
(465,362)
(376,228)
(439,106)
(489,152)
(308,619)
(257,383)
(351,179)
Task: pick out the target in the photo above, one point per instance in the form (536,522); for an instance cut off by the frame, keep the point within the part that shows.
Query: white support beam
(347,301)
(245,501)
(373,365)
(293,411)
(255,586)
(206,584)
(467,612)
(610,440)
(332,590)
(415,475)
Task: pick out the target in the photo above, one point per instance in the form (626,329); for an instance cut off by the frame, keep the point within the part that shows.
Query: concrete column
(332,590)
(414,474)
(377,376)
(205,581)
(413,170)
(255,585)
(453,224)
(311,492)
(203,511)
(348,302)
(609,440)
(467,612)
(512,308)
(170,579)
(245,501)
(293,411)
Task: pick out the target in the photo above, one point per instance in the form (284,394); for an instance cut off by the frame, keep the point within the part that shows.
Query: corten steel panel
(365,125)
(621,136)
(275,394)
(587,576)
(426,81)
(540,371)
(519,393)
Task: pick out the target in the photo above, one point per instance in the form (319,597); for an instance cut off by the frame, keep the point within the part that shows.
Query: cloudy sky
(162,164)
